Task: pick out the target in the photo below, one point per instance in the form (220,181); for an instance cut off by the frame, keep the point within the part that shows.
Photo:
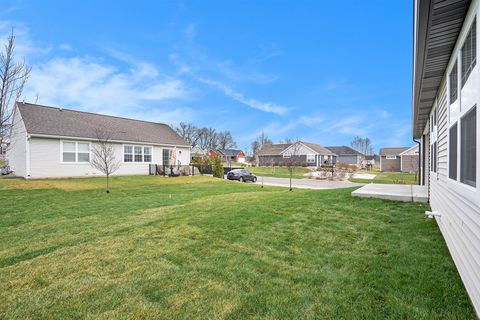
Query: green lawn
(199,247)
(279,172)
(388,177)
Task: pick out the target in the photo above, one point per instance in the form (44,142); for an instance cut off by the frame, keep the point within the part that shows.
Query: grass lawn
(199,247)
(279,172)
(388,177)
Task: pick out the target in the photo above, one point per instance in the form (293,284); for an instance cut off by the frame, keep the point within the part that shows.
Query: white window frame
(76,152)
(310,159)
(133,153)
(391,157)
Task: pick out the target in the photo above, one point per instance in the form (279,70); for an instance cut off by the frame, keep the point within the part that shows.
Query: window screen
(454,83)
(452,153)
(469,53)
(468,155)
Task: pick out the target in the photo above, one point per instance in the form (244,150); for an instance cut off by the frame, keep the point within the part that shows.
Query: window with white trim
(75,152)
(310,158)
(453,83)
(166,156)
(469,52)
(390,157)
(132,153)
(468,148)
(453,152)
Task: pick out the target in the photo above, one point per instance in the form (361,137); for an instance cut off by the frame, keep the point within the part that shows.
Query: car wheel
(254,179)
(241,179)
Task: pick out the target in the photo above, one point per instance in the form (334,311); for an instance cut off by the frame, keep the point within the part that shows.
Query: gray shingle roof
(392,151)
(344,151)
(273,149)
(45,120)
(318,148)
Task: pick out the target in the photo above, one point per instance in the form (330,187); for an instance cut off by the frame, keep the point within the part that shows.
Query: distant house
(229,155)
(347,155)
(370,160)
(303,153)
(48,142)
(198,152)
(390,159)
(409,160)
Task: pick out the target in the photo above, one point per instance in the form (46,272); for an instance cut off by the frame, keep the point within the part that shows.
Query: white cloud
(237,96)
(94,86)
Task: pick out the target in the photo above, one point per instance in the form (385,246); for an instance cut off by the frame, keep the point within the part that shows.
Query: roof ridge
(88,112)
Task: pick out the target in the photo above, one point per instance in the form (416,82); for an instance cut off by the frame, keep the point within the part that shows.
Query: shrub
(217,167)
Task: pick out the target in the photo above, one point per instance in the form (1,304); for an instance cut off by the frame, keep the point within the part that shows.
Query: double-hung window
(468,148)
(453,83)
(469,52)
(75,152)
(310,158)
(133,153)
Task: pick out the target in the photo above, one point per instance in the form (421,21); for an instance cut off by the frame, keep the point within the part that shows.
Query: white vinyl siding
(456,202)
(17,155)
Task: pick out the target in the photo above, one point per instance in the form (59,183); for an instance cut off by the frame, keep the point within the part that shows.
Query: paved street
(307,183)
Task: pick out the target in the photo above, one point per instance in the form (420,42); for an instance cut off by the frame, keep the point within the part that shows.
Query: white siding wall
(17,151)
(458,204)
(45,161)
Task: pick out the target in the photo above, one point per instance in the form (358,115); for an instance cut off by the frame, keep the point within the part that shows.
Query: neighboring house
(446,96)
(301,153)
(409,160)
(50,142)
(390,160)
(370,160)
(347,155)
(229,155)
(197,152)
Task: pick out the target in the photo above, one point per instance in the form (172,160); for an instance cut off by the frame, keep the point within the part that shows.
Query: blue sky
(320,71)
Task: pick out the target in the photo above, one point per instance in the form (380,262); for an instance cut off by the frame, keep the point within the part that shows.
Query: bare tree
(188,132)
(207,138)
(225,140)
(103,156)
(259,142)
(13,76)
(292,159)
(362,145)
(287,141)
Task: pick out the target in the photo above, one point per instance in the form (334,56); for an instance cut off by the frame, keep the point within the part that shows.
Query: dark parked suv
(241,175)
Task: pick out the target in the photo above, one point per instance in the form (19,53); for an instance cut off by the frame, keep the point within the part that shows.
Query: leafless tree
(207,138)
(188,132)
(362,145)
(103,156)
(292,159)
(287,141)
(13,76)
(225,140)
(259,142)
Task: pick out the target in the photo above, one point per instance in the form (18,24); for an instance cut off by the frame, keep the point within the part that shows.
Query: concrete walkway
(399,192)
(306,183)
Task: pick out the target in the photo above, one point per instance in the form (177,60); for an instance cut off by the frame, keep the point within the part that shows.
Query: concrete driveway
(306,183)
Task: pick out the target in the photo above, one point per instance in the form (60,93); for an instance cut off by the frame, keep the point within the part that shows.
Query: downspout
(420,160)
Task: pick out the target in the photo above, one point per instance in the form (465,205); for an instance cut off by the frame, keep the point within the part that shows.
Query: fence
(180,170)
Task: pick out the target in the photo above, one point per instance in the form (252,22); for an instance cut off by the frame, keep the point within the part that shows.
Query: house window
(137,153)
(166,155)
(469,52)
(468,148)
(454,83)
(310,158)
(147,154)
(433,157)
(452,152)
(391,157)
(127,154)
(74,152)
